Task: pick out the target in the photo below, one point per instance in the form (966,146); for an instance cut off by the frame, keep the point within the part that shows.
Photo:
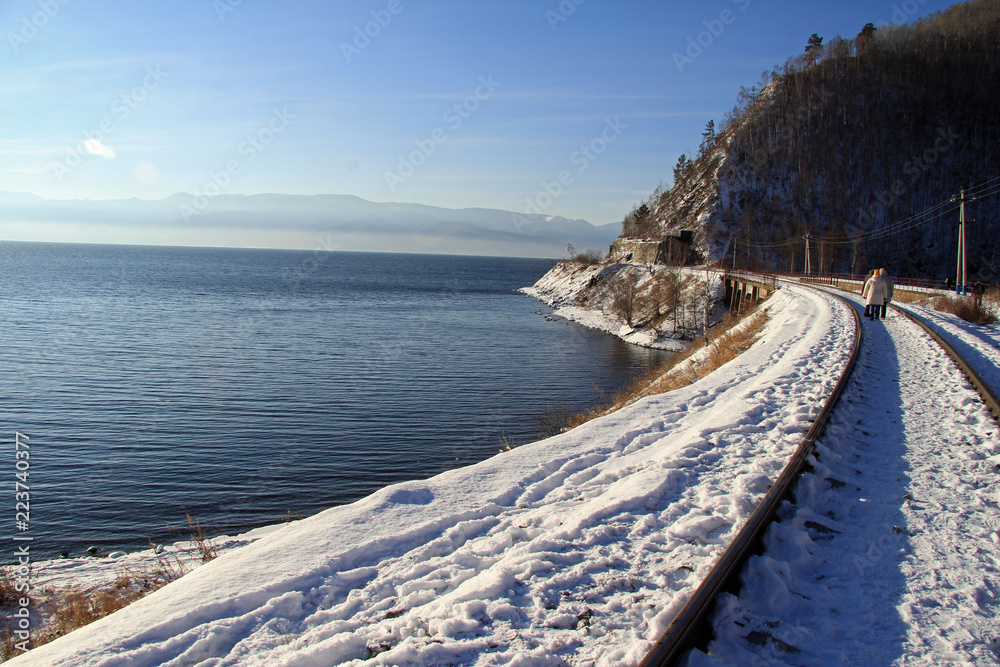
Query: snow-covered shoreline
(100,571)
(561,287)
(558,289)
(575,548)
(579,549)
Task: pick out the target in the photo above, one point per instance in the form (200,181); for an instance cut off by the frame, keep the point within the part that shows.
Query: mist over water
(246,384)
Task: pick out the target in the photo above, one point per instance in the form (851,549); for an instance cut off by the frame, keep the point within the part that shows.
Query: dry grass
(849,286)
(59,611)
(732,338)
(206,548)
(7,648)
(906,296)
(73,608)
(978,310)
(991,299)
(8,598)
(8,592)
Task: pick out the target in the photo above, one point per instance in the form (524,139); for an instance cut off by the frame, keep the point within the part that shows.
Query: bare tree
(669,291)
(552,419)
(625,296)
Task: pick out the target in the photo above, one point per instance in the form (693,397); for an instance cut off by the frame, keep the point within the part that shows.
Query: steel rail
(984,390)
(689,626)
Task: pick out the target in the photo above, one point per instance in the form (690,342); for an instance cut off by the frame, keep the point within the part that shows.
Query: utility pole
(961,277)
(808,265)
(735,241)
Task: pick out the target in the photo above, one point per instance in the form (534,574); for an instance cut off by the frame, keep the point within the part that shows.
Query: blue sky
(437,102)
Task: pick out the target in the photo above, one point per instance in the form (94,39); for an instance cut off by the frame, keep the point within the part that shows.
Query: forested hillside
(859,143)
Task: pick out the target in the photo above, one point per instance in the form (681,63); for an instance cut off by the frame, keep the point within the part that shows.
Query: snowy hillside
(859,146)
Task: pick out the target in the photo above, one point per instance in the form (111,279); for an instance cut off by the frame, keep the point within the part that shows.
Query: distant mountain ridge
(340,221)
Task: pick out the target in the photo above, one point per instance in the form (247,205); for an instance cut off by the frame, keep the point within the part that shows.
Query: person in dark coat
(888,290)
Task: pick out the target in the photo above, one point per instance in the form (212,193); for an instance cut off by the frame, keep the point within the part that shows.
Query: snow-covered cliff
(648,305)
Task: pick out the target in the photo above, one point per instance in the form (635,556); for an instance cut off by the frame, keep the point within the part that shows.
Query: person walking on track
(875,293)
(888,287)
(864,292)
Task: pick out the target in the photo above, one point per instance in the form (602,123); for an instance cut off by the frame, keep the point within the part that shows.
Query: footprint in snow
(412,497)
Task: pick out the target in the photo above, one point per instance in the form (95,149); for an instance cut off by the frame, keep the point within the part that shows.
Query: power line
(979,191)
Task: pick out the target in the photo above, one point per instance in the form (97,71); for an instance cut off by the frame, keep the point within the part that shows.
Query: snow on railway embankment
(892,552)
(579,548)
(979,345)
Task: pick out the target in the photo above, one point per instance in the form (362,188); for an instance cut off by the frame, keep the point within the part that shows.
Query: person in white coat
(876,292)
(864,291)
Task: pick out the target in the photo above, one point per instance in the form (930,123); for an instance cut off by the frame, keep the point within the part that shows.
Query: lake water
(246,384)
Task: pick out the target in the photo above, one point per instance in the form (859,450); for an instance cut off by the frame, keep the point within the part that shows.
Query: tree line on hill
(860,143)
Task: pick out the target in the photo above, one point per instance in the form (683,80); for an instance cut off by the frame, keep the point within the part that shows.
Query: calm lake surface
(246,384)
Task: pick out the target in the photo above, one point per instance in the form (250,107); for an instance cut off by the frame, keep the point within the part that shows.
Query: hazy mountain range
(334,222)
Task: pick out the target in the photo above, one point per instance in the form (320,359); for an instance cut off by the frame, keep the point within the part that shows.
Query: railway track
(691,627)
(984,390)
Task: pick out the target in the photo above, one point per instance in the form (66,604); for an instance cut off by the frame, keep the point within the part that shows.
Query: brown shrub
(970,308)
(588,257)
(8,594)
(552,419)
(8,649)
